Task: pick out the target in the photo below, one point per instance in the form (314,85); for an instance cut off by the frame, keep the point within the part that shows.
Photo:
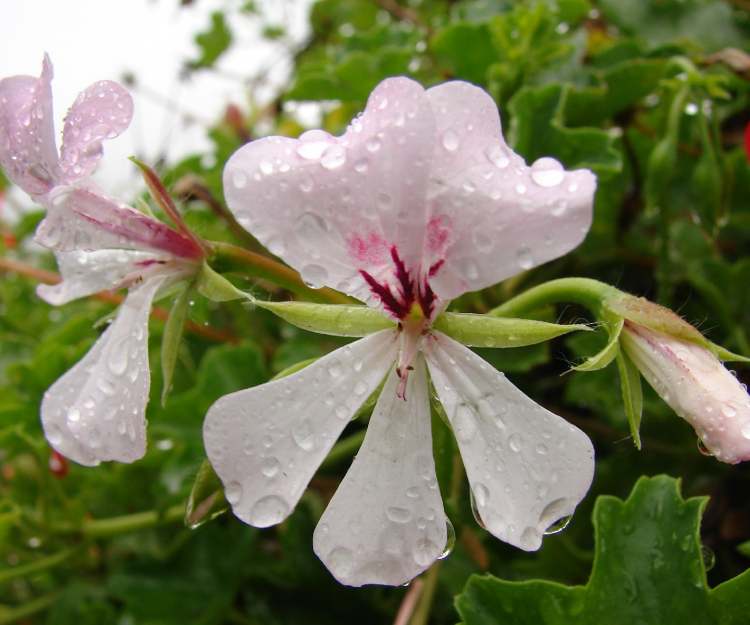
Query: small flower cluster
(418,202)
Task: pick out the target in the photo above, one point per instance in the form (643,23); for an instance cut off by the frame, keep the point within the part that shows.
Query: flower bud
(697,386)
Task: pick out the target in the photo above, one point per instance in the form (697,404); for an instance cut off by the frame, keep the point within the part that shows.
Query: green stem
(664,272)
(424,607)
(42,564)
(13,615)
(103,528)
(233,257)
(584,291)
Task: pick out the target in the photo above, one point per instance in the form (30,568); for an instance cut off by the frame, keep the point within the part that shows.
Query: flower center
(413,302)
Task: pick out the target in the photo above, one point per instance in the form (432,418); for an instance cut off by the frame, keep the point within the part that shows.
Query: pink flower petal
(697,386)
(85,273)
(493,216)
(527,467)
(102,111)
(80,219)
(266,442)
(385,524)
(96,411)
(332,206)
(28,153)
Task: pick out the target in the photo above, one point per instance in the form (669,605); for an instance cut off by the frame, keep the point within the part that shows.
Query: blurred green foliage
(641,92)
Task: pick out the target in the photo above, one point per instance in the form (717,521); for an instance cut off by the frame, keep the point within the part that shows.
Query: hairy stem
(584,291)
(233,257)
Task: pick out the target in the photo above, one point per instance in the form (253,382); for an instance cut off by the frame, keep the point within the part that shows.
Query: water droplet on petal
(450,541)
(515,442)
(117,360)
(530,538)
(74,415)
(341,561)
(547,172)
(373,144)
(398,515)
(268,510)
(464,424)
(705,451)
(450,140)
(559,525)
(233,492)
(497,156)
(335,369)
(361,166)
(239,179)
(314,276)
(334,157)
(54,435)
(425,552)
(746,430)
(524,258)
(303,435)
(270,467)
(481,494)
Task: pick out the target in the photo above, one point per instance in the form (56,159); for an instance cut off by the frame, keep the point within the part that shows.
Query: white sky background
(90,40)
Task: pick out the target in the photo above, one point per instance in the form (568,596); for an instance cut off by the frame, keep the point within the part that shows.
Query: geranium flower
(96,411)
(28,153)
(697,386)
(418,202)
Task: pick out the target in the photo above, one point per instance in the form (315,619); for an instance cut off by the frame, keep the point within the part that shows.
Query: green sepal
(632,394)
(661,319)
(216,287)
(171,338)
(333,319)
(206,500)
(485,331)
(724,354)
(610,351)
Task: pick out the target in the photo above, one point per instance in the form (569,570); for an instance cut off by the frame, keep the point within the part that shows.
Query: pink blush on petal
(438,234)
(370,249)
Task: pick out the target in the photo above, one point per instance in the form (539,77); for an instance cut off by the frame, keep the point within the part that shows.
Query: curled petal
(84,273)
(28,153)
(80,219)
(102,111)
(266,442)
(493,216)
(332,206)
(385,523)
(697,387)
(527,467)
(96,411)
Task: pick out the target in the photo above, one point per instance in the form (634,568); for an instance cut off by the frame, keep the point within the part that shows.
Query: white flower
(418,202)
(697,386)
(96,411)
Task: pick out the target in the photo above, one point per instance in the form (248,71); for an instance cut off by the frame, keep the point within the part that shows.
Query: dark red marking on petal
(435,267)
(438,231)
(403,277)
(383,291)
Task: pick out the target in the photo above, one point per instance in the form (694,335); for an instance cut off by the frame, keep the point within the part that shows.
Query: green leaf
(487,331)
(466,49)
(632,394)
(172,337)
(212,42)
(333,319)
(647,569)
(207,500)
(537,130)
(216,287)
